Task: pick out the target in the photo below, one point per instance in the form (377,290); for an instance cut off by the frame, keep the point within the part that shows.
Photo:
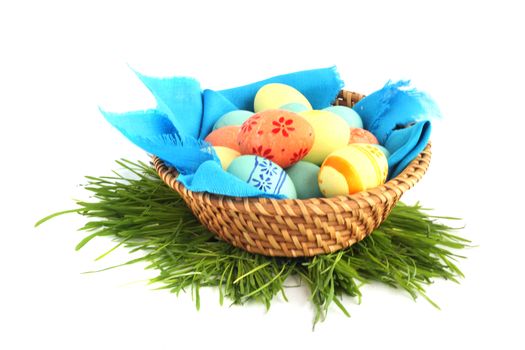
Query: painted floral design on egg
(268,167)
(281,136)
(263,152)
(249,124)
(264,183)
(300,154)
(283,125)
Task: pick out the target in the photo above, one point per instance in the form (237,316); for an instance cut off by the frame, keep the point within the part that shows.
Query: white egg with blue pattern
(262,174)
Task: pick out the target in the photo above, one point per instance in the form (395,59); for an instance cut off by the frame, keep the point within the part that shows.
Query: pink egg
(358,135)
(280,136)
(225,137)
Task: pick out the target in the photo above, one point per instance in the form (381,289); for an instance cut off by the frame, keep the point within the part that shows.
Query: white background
(59,61)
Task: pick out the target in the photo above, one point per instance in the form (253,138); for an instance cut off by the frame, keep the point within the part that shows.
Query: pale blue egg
(304,177)
(236,118)
(383,149)
(262,174)
(348,114)
(294,107)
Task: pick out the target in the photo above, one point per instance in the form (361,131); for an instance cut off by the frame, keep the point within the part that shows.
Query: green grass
(140,213)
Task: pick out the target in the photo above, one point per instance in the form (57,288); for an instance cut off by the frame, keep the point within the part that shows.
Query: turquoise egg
(304,177)
(262,174)
(232,118)
(348,114)
(294,107)
(383,149)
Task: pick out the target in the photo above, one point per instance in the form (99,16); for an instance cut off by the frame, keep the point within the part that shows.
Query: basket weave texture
(294,227)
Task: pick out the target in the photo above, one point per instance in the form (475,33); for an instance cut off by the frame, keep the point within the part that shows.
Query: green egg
(295,107)
(304,177)
(382,149)
(348,114)
(235,118)
(263,174)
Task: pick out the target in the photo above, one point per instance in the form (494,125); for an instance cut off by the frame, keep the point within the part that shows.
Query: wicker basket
(293,227)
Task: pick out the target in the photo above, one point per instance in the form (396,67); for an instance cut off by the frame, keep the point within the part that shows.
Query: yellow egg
(352,169)
(273,96)
(373,149)
(226,155)
(331,133)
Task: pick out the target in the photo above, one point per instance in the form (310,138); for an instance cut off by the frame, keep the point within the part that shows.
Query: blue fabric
(147,124)
(152,131)
(406,144)
(193,113)
(215,106)
(180,99)
(400,118)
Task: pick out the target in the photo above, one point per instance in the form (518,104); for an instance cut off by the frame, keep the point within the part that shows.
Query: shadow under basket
(295,227)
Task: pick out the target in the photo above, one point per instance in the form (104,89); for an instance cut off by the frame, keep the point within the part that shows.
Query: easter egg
(226,155)
(232,118)
(348,114)
(281,136)
(263,174)
(358,135)
(354,168)
(304,177)
(273,96)
(294,107)
(225,136)
(383,149)
(331,133)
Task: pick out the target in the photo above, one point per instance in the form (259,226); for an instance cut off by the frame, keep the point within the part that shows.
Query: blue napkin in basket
(400,117)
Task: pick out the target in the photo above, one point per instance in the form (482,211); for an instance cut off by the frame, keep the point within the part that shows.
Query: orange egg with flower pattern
(281,136)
